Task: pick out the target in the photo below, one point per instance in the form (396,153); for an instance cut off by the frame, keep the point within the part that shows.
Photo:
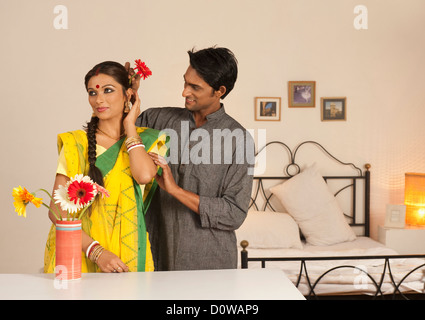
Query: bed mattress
(350,279)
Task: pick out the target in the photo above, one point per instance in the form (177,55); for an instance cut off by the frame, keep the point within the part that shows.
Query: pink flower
(102,191)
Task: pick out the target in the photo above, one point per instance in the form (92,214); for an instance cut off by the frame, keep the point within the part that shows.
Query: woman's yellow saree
(117,222)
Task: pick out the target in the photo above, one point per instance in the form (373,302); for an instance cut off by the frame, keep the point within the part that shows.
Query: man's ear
(221,91)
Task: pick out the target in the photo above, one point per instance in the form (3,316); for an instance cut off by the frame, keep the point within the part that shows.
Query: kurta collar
(212,116)
(218,114)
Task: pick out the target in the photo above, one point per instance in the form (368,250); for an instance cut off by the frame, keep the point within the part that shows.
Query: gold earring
(127,107)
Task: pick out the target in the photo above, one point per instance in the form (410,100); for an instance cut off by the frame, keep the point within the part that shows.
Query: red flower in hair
(142,69)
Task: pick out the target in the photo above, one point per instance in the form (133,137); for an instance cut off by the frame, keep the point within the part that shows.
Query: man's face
(199,95)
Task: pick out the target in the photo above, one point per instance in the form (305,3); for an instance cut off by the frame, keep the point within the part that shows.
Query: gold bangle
(98,256)
(95,254)
(132,144)
(133,140)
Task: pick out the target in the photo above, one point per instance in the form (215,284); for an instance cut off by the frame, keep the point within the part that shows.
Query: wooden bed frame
(359,219)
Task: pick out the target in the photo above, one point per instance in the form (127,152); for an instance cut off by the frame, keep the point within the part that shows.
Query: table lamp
(414,198)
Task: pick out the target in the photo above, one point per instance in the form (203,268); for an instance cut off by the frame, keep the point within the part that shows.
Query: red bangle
(91,249)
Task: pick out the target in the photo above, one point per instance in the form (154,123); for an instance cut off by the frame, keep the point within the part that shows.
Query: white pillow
(309,201)
(267,229)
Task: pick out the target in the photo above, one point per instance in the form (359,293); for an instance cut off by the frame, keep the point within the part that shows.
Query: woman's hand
(109,262)
(130,120)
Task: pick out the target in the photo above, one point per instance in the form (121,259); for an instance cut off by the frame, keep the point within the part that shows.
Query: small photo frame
(395,216)
(334,109)
(267,109)
(302,94)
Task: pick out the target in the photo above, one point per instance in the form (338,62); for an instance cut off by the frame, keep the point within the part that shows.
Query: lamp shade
(414,198)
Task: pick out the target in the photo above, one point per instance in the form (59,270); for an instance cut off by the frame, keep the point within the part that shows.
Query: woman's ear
(129,93)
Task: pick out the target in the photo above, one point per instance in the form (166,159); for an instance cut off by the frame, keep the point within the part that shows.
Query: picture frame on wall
(302,94)
(267,108)
(334,109)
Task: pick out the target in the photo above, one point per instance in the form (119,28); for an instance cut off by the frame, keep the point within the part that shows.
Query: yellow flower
(22,197)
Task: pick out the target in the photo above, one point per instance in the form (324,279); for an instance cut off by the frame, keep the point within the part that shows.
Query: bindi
(97,86)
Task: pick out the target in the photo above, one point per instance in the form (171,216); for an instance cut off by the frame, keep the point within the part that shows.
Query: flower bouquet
(74,198)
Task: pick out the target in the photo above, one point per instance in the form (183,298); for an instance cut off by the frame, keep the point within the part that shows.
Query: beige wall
(380,70)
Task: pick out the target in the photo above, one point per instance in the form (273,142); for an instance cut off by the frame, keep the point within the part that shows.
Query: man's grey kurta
(214,161)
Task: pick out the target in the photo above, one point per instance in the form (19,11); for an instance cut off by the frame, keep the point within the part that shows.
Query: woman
(111,153)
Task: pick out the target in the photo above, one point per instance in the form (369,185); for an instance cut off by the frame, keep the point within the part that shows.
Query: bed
(316,228)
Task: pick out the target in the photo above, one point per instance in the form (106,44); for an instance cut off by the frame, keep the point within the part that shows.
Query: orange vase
(68,250)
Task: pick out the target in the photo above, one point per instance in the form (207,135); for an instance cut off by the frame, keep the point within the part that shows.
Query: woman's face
(106,97)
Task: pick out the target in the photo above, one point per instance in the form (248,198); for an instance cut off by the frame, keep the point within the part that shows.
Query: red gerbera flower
(142,69)
(81,192)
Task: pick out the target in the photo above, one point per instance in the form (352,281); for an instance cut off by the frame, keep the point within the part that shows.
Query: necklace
(122,135)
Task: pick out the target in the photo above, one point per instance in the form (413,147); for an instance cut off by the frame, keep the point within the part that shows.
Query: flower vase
(68,250)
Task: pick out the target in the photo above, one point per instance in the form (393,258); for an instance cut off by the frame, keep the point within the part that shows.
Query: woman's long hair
(120,74)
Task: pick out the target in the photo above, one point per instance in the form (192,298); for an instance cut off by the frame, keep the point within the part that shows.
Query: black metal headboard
(357,185)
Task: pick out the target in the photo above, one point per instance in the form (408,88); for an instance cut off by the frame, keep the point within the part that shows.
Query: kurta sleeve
(228,210)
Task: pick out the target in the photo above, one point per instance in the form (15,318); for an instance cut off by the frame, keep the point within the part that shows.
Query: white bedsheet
(345,280)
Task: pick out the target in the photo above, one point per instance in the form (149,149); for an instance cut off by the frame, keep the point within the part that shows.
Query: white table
(247,284)
(408,240)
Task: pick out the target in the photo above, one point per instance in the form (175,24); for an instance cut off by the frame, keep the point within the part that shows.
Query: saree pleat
(117,222)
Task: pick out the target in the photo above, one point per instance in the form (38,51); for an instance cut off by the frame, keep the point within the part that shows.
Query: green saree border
(106,161)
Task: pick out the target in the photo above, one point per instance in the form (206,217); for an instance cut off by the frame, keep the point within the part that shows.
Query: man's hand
(166,182)
(135,79)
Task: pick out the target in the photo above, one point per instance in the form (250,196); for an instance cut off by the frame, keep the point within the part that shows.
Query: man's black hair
(217,66)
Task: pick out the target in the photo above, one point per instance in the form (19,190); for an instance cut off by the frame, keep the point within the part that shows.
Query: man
(205,188)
